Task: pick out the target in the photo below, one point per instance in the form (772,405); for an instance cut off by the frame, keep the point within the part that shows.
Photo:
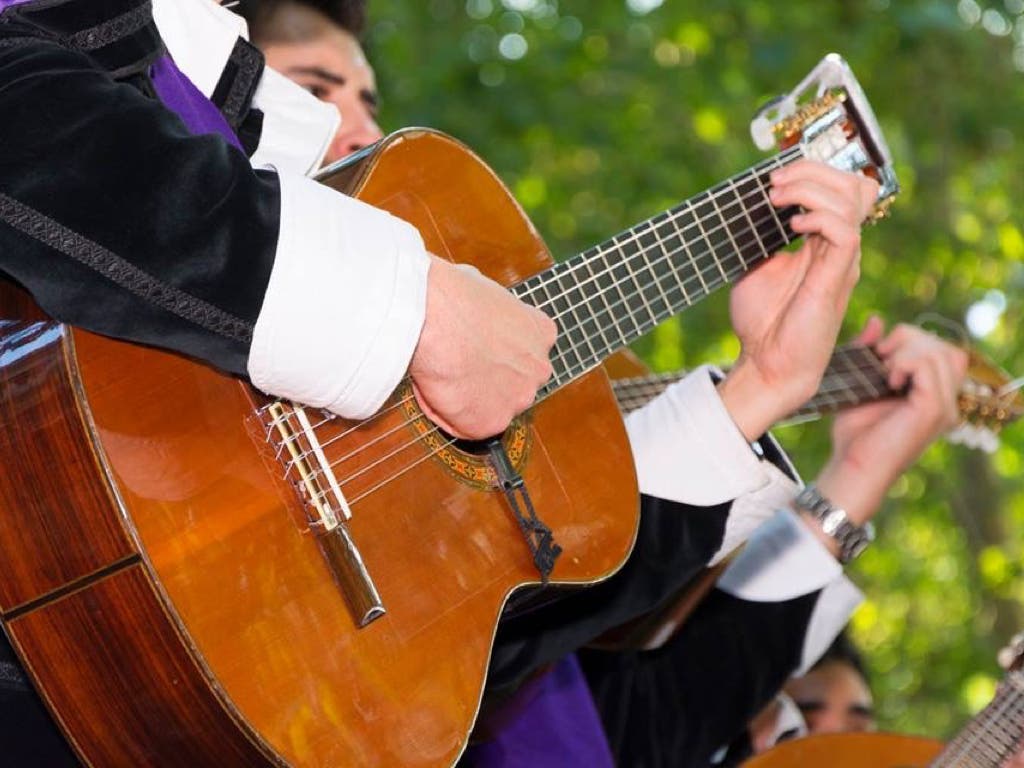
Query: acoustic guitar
(195,574)
(991,736)
(855,375)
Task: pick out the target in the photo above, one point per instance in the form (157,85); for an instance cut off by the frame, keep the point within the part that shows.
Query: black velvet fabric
(674,542)
(676,706)
(236,88)
(179,232)
(119,35)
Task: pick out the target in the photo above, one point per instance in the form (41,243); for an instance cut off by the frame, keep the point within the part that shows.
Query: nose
(352,138)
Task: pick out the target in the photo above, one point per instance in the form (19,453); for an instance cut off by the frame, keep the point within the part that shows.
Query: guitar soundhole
(466,459)
(471,447)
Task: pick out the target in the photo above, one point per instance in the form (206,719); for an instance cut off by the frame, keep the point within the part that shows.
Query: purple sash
(179,95)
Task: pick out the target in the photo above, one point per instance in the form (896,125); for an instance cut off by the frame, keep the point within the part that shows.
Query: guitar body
(157,574)
(850,750)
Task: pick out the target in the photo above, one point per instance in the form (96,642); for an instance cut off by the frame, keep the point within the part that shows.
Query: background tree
(598,113)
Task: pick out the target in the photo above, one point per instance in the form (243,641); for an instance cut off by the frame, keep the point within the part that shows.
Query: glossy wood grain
(850,750)
(123,683)
(220,536)
(51,486)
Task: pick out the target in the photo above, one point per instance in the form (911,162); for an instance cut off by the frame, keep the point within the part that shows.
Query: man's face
(833,698)
(334,68)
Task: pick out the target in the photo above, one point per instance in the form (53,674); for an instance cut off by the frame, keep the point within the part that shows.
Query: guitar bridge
(293,438)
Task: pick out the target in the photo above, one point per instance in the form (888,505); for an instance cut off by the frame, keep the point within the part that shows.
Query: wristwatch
(852,538)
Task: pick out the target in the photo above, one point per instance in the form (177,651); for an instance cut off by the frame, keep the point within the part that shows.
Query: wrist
(742,393)
(850,486)
(755,403)
(833,526)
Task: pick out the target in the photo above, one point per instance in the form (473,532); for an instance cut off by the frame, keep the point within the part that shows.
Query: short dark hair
(265,18)
(844,651)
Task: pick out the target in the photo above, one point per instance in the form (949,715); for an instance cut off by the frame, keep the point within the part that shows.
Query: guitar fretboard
(854,375)
(994,734)
(617,291)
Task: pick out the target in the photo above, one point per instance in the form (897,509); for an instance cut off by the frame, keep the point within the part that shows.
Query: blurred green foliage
(598,113)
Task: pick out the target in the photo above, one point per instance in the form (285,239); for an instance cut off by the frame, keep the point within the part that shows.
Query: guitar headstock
(988,400)
(829,115)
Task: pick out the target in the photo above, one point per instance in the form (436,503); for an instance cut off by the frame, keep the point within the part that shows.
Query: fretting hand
(874,443)
(482,354)
(788,311)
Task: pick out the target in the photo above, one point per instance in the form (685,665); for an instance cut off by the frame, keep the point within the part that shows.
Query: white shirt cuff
(832,612)
(782,560)
(688,449)
(345,303)
(751,511)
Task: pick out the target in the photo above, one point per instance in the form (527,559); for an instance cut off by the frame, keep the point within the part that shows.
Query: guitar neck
(855,375)
(993,734)
(612,294)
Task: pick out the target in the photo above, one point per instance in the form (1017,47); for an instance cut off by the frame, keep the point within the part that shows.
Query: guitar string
(980,725)
(831,385)
(396,451)
(986,733)
(391,454)
(709,266)
(996,728)
(670,217)
(573,347)
(832,380)
(983,721)
(557,357)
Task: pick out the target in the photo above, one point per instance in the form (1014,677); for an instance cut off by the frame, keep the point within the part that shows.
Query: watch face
(833,522)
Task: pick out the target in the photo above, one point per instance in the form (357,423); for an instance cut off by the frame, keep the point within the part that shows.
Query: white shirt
(347,294)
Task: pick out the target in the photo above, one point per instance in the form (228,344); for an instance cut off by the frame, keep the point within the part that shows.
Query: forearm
(121,222)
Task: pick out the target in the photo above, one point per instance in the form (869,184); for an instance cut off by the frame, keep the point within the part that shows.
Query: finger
(898,338)
(872,332)
(547,327)
(861,188)
(812,196)
(839,266)
(433,415)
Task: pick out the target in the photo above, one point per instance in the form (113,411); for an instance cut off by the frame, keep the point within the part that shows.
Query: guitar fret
(649,241)
(707,239)
(689,253)
(725,225)
(576,331)
(614,292)
(740,200)
(668,220)
(768,203)
(632,243)
(602,295)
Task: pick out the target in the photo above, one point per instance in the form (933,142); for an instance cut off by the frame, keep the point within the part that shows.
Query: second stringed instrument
(855,375)
(196,574)
(993,735)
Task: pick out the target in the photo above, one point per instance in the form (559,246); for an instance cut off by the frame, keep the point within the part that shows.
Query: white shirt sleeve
(784,560)
(688,449)
(345,303)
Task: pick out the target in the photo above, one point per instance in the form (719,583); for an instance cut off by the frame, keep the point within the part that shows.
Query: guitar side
(213,542)
(850,750)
